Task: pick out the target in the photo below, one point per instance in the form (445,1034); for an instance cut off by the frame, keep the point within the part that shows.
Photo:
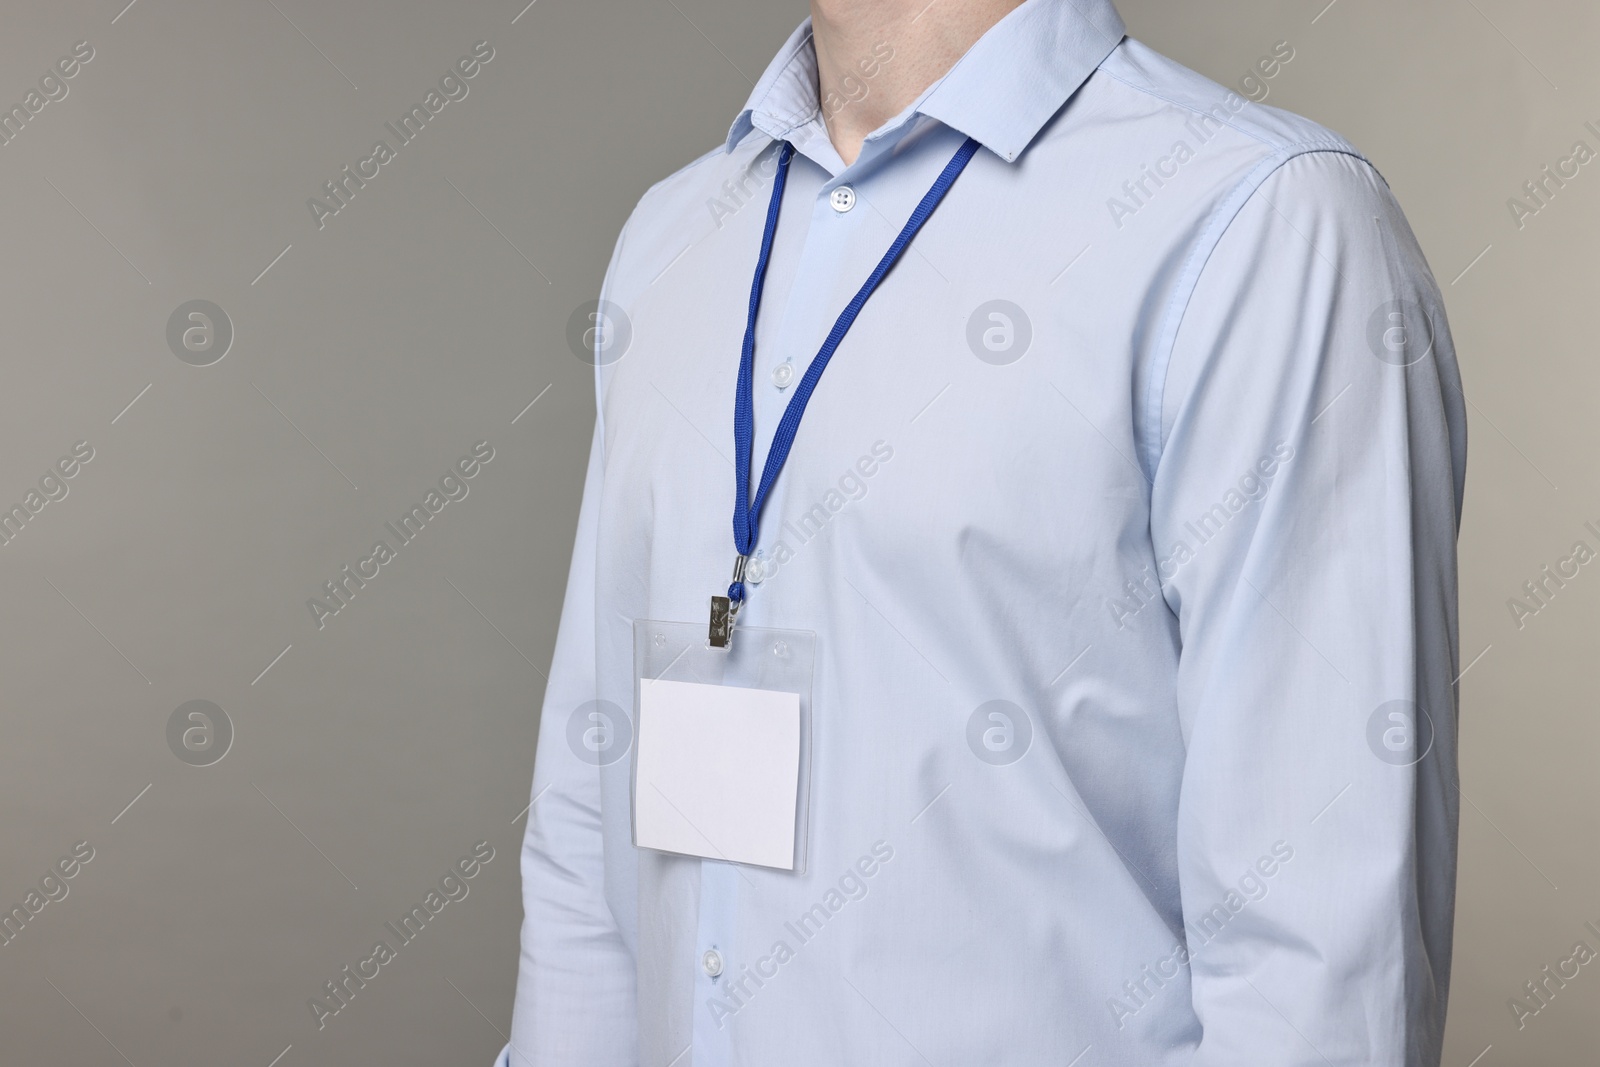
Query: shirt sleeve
(1304,512)
(575,1000)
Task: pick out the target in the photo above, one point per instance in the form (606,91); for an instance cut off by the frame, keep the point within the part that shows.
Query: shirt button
(842,199)
(711,963)
(783,375)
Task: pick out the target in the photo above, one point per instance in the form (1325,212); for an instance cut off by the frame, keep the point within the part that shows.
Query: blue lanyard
(747,512)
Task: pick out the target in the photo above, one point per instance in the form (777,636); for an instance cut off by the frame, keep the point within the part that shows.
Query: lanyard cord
(747,512)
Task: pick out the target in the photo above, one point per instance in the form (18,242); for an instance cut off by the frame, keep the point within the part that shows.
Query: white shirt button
(842,199)
(755,570)
(783,375)
(711,962)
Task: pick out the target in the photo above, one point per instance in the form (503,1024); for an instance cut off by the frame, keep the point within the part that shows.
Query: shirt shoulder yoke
(1146,71)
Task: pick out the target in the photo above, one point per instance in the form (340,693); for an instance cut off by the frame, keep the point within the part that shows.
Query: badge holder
(722,753)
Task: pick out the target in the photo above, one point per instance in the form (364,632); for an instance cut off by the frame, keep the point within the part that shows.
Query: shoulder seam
(1149,91)
(1222,216)
(685,169)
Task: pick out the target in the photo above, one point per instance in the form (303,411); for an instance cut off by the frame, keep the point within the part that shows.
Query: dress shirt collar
(1001,92)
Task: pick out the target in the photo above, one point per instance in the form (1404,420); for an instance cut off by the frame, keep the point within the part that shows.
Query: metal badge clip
(724,610)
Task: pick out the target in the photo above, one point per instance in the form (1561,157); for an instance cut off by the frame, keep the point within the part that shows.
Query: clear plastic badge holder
(774,660)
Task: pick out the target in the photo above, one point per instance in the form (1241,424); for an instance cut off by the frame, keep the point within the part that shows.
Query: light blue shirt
(1125,517)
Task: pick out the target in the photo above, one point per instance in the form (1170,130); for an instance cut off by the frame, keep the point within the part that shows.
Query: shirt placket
(794,324)
(788,332)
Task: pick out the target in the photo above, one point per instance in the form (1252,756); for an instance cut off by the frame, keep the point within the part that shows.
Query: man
(1124,520)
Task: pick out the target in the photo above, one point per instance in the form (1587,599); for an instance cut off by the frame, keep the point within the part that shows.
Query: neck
(874,57)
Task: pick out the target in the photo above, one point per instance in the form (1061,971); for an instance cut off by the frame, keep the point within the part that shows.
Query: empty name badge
(717,772)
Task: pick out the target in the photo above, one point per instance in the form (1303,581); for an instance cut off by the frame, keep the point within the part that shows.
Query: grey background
(371,754)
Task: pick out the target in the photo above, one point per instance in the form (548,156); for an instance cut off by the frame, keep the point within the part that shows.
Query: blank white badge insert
(718,772)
